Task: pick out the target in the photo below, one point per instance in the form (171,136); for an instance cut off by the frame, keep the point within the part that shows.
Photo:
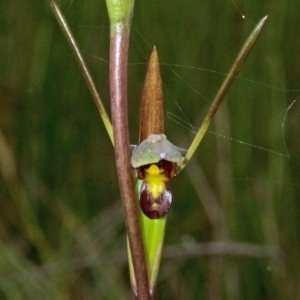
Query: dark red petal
(155,208)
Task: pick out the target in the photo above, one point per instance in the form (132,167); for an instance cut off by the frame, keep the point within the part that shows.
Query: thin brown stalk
(118,89)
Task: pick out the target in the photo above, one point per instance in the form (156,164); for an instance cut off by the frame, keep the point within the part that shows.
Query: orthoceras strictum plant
(155,159)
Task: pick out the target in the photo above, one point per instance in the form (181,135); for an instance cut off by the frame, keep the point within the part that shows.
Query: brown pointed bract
(152,112)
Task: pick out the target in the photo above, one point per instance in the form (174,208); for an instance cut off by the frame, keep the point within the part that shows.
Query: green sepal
(153,231)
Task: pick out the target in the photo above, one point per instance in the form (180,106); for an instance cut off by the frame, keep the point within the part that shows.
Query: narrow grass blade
(236,67)
(83,68)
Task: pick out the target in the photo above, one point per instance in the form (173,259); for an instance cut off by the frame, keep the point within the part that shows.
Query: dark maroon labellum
(155,194)
(155,208)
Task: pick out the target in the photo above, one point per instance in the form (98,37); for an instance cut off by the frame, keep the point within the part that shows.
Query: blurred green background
(233,230)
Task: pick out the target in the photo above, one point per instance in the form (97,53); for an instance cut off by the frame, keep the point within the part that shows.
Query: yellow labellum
(155,179)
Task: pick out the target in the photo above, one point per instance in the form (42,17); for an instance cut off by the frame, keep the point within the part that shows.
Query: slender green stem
(235,69)
(83,68)
(120,13)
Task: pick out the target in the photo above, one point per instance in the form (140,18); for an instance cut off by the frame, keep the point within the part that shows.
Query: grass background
(233,230)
